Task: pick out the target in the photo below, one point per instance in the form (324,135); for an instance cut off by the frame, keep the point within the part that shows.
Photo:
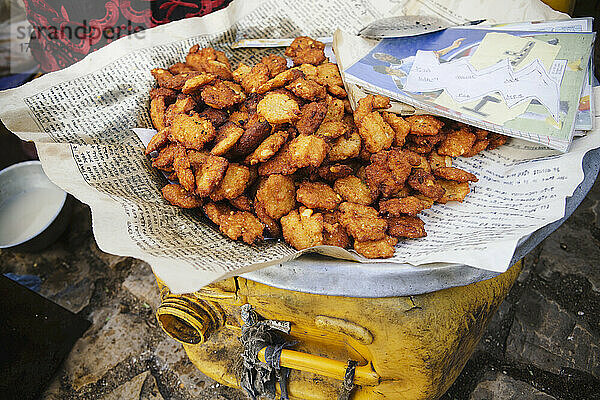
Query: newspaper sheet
(81,120)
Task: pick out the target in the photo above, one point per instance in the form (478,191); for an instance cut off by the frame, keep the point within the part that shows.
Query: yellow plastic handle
(363,375)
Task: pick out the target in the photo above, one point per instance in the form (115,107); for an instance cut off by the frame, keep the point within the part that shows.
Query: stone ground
(542,344)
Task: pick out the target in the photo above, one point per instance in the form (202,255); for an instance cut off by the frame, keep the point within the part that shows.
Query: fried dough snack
(267,150)
(303,228)
(278,108)
(334,234)
(406,226)
(362,222)
(354,190)
(318,195)
(277,195)
(305,50)
(382,248)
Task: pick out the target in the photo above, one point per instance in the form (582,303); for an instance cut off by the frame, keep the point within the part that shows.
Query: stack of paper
(526,80)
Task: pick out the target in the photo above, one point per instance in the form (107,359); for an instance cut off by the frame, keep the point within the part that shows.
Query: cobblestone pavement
(542,344)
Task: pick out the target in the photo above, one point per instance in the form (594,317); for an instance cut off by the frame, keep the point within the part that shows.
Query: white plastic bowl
(33,211)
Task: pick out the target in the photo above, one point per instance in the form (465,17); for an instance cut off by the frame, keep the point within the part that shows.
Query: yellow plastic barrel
(410,347)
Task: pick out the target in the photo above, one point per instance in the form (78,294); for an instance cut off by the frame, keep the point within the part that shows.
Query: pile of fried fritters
(275,151)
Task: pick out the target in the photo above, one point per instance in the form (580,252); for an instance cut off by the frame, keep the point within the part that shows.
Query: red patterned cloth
(66,31)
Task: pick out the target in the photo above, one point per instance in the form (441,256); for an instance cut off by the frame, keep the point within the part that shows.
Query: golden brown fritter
(210,174)
(280,80)
(178,196)
(478,147)
(424,124)
(375,133)
(305,50)
(216,117)
(197,158)
(424,148)
(362,222)
(183,169)
(437,161)
(354,190)
(253,119)
(214,211)
(307,151)
(388,171)
(311,116)
(164,160)
(419,161)
(158,141)
(278,108)
(334,234)
(496,140)
(233,184)
(179,68)
(162,76)
(267,148)
(457,143)
(221,95)
(335,110)
(243,203)
(176,82)
(307,89)
(192,131)
(318,195)
(242,224)
(253,136)
(277,194)
(276,64)
(345,147)
(428,202)
(258,76)
(303,228)
(309,70)
(399,125)
(368,104)
(169,94)
(425,183)
(209,60)
(239,117)
(480,134)
(280,163)
(257,130)
(241,72)
(183,105)
(406,226)
(196,83)
(454,191)
(427,140)
(337,91)
(382,248)
(454,174)
(157,112)
(404,192)
(395,207)
(332,129)
(329,74)
(227,136)
(333,172)
(272,226)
